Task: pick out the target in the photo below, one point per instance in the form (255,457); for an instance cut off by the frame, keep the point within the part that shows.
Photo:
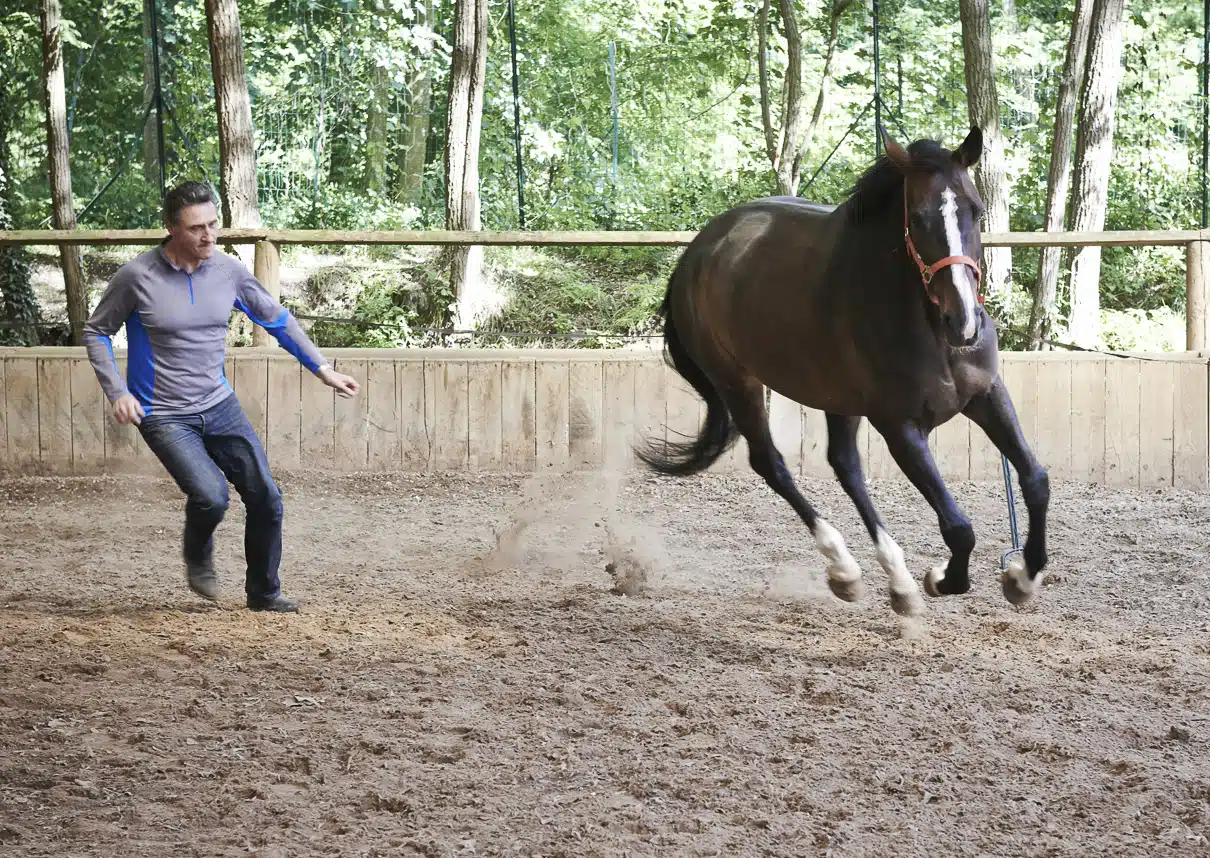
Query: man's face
(196,230)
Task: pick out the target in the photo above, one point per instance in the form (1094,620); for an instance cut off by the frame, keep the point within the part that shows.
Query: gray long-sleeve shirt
(176,327)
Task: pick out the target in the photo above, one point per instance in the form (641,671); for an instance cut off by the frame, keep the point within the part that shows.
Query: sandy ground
(438,697)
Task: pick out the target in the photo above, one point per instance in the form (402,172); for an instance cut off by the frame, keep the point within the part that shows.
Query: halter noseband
(928,272)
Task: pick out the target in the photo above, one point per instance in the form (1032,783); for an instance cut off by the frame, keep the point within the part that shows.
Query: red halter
(927,272)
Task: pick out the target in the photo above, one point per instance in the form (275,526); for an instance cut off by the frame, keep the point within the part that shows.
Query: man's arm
(254,301)
(114,308)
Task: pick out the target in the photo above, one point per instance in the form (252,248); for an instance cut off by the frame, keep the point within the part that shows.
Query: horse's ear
(967,155)
(898,155)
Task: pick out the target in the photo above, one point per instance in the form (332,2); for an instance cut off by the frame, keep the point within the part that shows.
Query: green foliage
(575,292)
(690,142)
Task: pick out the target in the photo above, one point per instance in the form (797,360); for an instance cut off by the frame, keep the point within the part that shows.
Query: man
(175,301)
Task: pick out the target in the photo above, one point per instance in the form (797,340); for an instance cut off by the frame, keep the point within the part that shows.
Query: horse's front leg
(994,413)
(909,446)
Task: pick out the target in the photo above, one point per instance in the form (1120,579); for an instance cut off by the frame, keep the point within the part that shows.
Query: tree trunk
(772,144)
(839,7)
(151,152)
(376,132)
(20,304)
(410,177)
(983,106)
(236,146)
(60,166)
(467,77)
(788,145)
(1059,177)
(791,110)
(1094,152)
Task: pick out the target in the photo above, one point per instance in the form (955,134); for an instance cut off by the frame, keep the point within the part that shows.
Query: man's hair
(187,194)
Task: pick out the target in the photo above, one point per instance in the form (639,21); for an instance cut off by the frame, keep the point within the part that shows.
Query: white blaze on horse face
(962,277)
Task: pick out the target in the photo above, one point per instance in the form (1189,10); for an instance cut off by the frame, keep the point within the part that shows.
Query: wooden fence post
(267,268)
(1197,269)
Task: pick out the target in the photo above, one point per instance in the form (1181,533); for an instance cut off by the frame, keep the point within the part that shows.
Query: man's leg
(177,443)
(231,440)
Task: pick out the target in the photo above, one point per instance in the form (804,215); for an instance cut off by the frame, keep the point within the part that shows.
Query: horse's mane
(874,188)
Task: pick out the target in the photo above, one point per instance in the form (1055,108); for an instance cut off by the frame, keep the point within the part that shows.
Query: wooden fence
(1131,422)
(268,243)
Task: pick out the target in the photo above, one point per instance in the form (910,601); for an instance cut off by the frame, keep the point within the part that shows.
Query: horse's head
(941,220)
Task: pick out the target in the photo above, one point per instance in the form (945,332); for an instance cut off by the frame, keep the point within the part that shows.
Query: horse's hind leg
(845,460)
(747,407)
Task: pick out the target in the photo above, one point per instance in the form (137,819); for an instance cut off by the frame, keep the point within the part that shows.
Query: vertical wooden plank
(985,460)
(785,423)
(485,385)
(1157,383)
(252,388)
(317,415)
(864,431)
(414,401)
(815,444)
(519,437)
(88,414)
(650,404)
(1191,426)
(351,450)
(21,389)
(552,414)
(618,376)
(1088,421)
(383,425)
(125,451)
(953,449)
(1054,417)
(283,437)
(54,415)
(1122,422)
(877,461)
(451,413)
(4,462)
(585,428)
(1021,377)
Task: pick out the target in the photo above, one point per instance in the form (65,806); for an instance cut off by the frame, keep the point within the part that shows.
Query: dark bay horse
(867,310)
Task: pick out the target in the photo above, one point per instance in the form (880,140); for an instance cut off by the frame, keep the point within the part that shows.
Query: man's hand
(344,385)
(126,409)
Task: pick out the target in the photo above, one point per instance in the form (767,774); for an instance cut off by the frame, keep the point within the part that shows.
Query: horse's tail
(681,458)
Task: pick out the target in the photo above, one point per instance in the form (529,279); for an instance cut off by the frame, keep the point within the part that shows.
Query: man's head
(191,219)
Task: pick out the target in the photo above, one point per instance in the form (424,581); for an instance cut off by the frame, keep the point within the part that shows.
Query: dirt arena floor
(455,687)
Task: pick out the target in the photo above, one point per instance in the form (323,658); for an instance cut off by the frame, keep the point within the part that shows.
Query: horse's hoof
(932,581)
(907,604)
(1016,582)
(847,589)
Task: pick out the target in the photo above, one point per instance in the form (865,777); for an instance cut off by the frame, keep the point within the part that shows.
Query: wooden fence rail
(1129,422)
(268,243)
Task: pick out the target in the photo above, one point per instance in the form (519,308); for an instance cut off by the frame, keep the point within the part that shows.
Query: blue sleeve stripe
(268,326)
(278,329)
(108,340)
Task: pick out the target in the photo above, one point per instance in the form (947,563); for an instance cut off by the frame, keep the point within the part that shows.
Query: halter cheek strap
(928,272)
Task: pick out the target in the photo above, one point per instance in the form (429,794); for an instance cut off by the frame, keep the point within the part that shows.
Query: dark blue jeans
(202,452)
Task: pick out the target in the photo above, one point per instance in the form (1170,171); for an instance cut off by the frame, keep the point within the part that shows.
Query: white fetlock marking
(933,578)
(1019,588)
(844,575)
(905,594)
